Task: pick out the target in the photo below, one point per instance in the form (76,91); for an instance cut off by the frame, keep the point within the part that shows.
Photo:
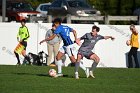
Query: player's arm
(107,37)
(46,36)
(75,34)
(48,39)
(18,37)
(51,37)
(59,37)
(79,39)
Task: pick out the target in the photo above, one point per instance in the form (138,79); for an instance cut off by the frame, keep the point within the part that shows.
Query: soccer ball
(52,72)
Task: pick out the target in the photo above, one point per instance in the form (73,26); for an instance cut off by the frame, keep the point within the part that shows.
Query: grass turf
(34,79)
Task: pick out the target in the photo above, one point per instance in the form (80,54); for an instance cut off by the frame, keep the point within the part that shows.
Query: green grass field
(34,79)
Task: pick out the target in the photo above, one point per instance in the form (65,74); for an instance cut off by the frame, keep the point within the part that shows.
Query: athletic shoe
(18,64)
(91,74)
(76,75)
(58,75)
(87,72)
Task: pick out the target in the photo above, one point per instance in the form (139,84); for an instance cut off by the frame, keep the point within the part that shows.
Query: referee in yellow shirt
(22,38)
(134,43)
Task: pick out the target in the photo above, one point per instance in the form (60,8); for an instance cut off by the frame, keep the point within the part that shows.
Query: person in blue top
(68,47)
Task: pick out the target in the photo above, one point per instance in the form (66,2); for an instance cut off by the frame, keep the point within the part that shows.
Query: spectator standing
(134,43)
(52,45)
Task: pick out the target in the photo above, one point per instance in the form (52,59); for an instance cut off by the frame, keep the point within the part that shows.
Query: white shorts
(70,50)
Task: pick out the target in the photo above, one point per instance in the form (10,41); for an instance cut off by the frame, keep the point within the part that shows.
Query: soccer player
(22,38)
(68,47)
(134,43)
(85,50)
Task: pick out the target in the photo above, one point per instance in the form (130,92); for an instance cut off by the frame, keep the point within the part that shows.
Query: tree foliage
(35,3)
(116,7)
(107,7)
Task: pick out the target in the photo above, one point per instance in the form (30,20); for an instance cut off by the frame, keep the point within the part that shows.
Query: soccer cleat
(76,75)
(58,75)
(87,72)
(91,74)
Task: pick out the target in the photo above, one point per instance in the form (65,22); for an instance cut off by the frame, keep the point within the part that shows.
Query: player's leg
(79,57)
(50,50)
(72,53)
(78,64)
(24,51)
(59,63)
(94,65)
(17,56)
(17,51)
(56,49)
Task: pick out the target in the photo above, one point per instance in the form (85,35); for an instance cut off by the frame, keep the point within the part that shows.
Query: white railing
(105,19)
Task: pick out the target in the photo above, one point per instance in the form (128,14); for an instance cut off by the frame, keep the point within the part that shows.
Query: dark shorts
(85,54)
(24,43)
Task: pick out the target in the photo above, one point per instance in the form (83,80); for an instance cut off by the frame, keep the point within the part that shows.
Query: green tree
(116,7)
(107,7)
(35,3)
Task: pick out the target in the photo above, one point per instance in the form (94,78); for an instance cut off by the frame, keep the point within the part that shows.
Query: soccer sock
(94,65)
(76,67)
(59,66)
(17,56)
(82,66)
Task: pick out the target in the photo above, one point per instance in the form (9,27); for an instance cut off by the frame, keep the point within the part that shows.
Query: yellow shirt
(134,42)
(23,33)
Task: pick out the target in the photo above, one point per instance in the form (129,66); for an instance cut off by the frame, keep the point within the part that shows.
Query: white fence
(111,53)
(106,19)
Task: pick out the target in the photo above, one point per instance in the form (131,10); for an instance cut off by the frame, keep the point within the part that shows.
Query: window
(44,7)
(21,6)
(78,4)
(57,3)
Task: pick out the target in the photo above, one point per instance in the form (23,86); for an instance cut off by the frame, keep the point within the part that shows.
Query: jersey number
(67,32)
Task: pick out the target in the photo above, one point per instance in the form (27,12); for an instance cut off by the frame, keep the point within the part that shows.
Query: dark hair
(97,29)
(94,27)
(23,20)
(57,20)
(53,25)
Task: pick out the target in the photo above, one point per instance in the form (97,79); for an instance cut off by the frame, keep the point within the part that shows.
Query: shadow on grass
(45,75)
(23,74)
(48,75)
(64,76)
